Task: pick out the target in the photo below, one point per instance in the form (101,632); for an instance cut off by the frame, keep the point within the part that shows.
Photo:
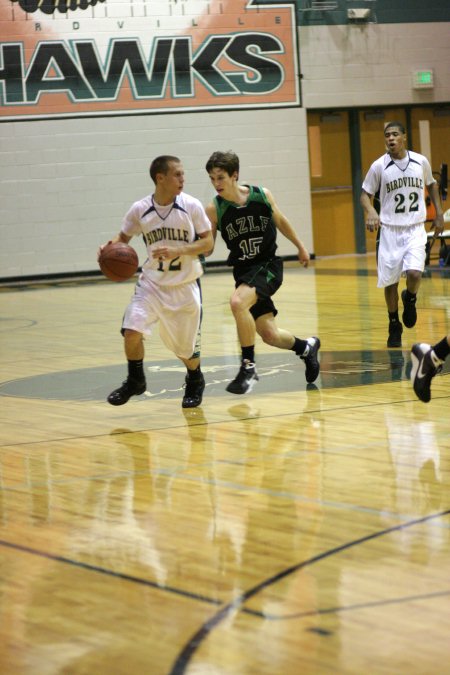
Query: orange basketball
(118,261)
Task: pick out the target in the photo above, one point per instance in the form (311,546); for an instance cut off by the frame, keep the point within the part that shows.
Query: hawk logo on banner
(58,59)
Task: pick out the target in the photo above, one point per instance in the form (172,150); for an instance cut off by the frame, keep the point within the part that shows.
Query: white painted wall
(66,184)
(371,64)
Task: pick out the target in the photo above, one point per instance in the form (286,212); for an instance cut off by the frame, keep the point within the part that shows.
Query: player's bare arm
(201,245)
(438,222)
(212,216)
(286,229)
(371,216)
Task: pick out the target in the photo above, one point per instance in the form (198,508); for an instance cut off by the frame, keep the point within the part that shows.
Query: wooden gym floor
(295,530)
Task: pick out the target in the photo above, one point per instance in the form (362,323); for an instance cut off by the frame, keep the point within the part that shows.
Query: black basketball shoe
(128,389)
(245,379)
(395,334)
(193,393)
(425,365)
(312,365)
(409,316)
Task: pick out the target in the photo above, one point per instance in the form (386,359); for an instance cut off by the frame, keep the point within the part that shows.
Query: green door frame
(357,179)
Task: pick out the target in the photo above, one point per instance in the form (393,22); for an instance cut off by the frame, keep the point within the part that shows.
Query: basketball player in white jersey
(400,177)
(176,231)
(427,361)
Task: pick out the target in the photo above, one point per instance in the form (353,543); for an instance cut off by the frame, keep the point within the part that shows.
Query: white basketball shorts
(176,308)
(400,249)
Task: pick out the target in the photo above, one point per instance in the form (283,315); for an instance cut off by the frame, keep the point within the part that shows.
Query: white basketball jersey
(176,224)
(401,183)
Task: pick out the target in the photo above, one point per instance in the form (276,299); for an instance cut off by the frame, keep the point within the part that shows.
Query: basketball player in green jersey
(249,219)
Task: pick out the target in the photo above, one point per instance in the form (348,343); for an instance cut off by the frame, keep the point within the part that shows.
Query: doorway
(332,174)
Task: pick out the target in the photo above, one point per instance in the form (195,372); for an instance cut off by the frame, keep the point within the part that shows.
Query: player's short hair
(228,161)
(395,124)
(161,165)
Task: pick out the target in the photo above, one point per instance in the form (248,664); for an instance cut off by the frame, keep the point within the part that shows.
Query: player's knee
(414,275)
(132,337)
(236,304)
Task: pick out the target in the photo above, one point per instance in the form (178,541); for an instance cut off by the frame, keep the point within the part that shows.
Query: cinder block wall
(371,64)
(66,183)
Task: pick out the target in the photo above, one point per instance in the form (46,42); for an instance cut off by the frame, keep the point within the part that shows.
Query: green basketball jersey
(248,231)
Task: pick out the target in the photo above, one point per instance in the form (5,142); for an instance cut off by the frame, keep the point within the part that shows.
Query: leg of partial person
(427,361)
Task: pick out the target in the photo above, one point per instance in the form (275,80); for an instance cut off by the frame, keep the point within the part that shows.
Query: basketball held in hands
(118,261)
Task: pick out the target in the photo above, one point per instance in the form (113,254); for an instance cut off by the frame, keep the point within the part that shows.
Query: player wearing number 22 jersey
(401,186)
(400,178)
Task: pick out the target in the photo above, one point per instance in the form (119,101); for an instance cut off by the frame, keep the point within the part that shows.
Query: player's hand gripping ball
(118,261)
